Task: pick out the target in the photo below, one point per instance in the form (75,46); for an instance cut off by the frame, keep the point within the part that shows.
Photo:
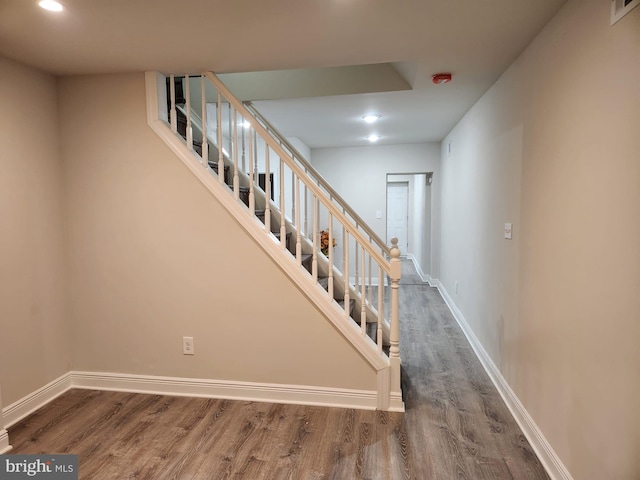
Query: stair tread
(214,165)
(352,304)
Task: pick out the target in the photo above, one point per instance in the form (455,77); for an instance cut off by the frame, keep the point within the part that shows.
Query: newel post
(394,334)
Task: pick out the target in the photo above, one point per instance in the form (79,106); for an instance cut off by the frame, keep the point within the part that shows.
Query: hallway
(457,422)
(455,426)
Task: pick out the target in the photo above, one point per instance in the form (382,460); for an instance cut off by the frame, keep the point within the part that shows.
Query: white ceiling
(475,40)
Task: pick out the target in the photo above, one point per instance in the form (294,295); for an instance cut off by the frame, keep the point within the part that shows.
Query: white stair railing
(295,200)
(317,178)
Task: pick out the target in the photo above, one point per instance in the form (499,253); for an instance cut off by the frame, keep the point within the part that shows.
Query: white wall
(34,338)
(554,148)
(302,148)
(420,246)
(359,175)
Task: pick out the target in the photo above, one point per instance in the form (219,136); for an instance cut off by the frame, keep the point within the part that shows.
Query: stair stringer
(362,344)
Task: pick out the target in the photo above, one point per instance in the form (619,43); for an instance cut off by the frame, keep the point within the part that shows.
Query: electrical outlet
(456,287)
(187,346)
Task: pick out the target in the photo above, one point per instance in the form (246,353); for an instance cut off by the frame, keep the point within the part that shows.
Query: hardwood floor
(455,427)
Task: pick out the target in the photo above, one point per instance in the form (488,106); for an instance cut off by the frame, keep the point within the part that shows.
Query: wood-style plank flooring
(455,427)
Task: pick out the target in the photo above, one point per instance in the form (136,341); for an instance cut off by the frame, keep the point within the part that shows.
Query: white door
(398,214)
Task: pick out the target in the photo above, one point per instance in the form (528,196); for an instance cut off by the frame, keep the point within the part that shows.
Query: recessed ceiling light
(245,124)
(370,118)
(51,5)
(374,138)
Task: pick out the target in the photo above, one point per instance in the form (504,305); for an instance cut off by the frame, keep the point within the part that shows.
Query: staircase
(239,156)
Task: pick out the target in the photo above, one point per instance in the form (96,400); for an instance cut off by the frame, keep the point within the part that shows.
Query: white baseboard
(4,442)
(434,282)
(189,387)
(425,277)
(396,404)
(549,459)
(26,406)
(248,391)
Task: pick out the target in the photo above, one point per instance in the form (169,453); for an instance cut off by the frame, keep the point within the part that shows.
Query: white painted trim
(384,385)
(548,457)
(233,390)
(4,436)
(314,292)
(434,282)
(4,442)
(426,278)
(27,405)
(196,387)
(396,403)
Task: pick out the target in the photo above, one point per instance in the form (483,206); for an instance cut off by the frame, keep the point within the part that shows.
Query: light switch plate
(378,213)
(508,230)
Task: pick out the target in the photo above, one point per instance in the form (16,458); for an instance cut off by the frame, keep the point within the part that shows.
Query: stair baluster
(252,195)
(370,270)
(267,189)
(363,304)
(283,225)
(221,174)
(347,299)
(236,177)
(306,211)
(316,248)
(297,219)
(243,163)
(330,287)
(294,203)
(172,93)
(205,143)
(189,131)
(357,267)
(380,307)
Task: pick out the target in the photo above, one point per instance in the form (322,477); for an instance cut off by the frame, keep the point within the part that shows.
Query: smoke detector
(441,78)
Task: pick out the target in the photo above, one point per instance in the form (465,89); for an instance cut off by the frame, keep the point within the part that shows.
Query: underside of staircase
(349,306)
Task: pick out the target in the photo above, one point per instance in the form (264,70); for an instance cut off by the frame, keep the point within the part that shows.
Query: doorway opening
(409,217)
